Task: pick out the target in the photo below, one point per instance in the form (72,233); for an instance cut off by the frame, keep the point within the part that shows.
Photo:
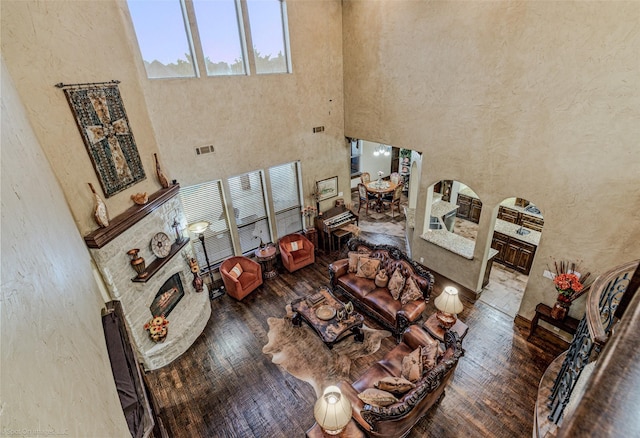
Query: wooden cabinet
(509,215)
(469,208)
(513,252)
(531,222)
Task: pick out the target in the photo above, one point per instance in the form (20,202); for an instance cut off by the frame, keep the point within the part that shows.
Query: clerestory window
(223,34)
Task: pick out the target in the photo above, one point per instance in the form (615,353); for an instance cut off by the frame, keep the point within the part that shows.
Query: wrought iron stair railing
(593,332)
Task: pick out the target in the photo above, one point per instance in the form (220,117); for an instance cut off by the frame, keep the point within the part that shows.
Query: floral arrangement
(307,212)
(157,328)
(380,174)
(568,284)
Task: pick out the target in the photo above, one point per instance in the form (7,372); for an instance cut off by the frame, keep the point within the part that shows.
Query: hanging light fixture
(382,149)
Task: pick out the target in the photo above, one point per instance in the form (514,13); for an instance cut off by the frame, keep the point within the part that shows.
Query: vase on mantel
(560,310)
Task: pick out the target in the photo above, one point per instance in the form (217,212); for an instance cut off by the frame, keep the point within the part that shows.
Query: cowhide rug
(302,354)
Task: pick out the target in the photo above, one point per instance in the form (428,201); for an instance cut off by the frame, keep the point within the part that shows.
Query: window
(164,36)
(267,19)
(285,190)
(163,39)
(356,153)
(204,202)
(247,197)
(220,35)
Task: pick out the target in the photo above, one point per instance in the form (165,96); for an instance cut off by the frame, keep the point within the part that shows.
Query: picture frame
(327,188)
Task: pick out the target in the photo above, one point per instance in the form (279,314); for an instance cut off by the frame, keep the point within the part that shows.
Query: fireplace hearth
(167,297)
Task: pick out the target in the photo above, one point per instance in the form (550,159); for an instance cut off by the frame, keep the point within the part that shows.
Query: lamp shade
(199,227)
(332,411)
(448,301)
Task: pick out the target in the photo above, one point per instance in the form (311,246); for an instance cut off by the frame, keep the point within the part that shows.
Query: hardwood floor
(224,386)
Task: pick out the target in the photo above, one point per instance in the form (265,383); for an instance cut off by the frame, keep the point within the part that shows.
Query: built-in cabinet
(516,217)
(469,208)
(513,252)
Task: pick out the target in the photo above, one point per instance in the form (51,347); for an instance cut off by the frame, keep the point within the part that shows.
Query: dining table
(380,188)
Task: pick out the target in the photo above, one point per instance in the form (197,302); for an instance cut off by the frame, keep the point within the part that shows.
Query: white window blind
(247,197)
(285,191)
(204,202)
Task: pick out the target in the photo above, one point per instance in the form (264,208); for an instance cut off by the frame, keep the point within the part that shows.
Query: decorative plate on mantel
(161,245)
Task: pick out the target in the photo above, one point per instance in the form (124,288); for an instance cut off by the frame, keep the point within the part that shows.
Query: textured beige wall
(56,378)
(539,100)
(254,122)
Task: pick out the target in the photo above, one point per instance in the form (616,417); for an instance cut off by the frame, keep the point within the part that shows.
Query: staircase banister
(597,330)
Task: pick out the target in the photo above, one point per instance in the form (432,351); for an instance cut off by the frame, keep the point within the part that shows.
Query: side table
(543,312)
(267,258)
(432,326)
(351,431)
(312,234)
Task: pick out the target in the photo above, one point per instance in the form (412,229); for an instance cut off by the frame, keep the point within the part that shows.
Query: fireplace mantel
(125,220)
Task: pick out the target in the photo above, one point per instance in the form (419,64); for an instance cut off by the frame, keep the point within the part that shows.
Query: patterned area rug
(301,353)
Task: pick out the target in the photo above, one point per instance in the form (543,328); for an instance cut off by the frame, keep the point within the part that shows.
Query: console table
(543,312)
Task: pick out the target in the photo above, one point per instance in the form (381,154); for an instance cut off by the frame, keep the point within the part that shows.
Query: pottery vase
(559,310)
(100,213)
(198,283)
(137,263)
(162,179)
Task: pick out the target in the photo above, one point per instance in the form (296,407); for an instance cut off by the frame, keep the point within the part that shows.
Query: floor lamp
(199,228)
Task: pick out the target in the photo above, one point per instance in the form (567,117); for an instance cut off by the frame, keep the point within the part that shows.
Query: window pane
(267,32)
(286,198)
(247,197)
(203,202)
(162,38)
(219,31)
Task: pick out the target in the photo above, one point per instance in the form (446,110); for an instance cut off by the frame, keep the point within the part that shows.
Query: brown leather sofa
(293,260)
(377,302)
(247,282)
(397,419)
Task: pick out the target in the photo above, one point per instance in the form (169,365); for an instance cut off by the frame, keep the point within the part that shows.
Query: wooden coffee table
(328,328)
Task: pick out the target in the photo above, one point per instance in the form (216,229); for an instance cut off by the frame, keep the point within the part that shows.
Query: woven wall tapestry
(104,127)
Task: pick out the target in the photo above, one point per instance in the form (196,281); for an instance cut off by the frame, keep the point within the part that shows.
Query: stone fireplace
(167,287)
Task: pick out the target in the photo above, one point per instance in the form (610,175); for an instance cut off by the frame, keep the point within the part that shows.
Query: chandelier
(382,149)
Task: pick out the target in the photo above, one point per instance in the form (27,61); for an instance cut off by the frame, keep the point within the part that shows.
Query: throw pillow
(412,365)
(396,284)
(429,354)
(294,246)
(236,271)
(397,385)
(353,261)
(411,292)
(377,397)
(367,268)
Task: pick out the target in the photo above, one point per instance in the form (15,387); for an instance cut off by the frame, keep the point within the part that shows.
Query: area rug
(301,353)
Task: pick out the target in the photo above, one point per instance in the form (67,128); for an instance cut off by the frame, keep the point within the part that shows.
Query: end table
(267,258)
(432,326)
(350,431)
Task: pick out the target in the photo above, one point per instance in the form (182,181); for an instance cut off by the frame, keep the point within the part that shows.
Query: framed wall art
(327,188)
(103,124)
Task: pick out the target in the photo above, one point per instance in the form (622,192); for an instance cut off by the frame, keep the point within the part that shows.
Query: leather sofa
(378,302)
(397,419)
(292,259)
(242,285)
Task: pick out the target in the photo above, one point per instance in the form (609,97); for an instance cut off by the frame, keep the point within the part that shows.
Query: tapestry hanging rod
(88,84)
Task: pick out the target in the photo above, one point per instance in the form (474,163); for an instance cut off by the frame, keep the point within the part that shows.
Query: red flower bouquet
(568,284)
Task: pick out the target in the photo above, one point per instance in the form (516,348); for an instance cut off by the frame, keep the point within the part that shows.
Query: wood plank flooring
(224,386)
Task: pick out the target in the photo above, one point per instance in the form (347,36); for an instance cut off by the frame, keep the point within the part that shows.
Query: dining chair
(365,198)
(394,200)
(365,177)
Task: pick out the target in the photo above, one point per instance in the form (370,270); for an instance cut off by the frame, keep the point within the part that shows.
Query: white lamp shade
(332,411)
(448,301)
(199,227)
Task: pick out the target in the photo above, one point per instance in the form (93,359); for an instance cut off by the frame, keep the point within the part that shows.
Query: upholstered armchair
(242,280)
(296,251)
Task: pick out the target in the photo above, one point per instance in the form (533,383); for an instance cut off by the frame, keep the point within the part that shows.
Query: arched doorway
(516,237)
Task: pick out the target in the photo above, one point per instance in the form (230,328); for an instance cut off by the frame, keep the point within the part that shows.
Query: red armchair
(240,284)
(296,251)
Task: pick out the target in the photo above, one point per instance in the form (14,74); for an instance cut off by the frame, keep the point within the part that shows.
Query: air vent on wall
(318,129)
(209,149)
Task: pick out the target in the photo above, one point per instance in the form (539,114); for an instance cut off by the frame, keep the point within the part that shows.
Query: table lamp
(332,411)
(448,304)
